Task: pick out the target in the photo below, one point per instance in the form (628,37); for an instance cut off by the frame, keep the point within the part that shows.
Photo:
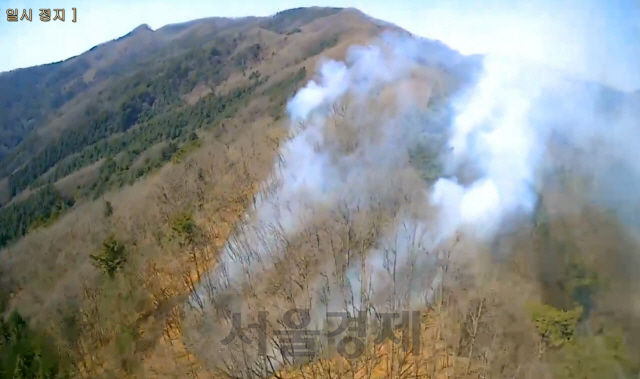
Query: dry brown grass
(51,267)
(283,56)
(485,295)
(197,93)
(477,328)
(151,153)
(331,238)
(71,113)
(22,195)
(69,185)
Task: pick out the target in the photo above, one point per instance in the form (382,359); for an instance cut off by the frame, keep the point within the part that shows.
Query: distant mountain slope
(152,159)
(105,109)
(207,104)
(37,102)
(125,107)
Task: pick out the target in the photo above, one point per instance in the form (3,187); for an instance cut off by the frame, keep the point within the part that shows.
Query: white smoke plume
(314,170)
(354,132)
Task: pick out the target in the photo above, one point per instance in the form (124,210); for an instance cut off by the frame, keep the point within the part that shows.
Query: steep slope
(125,97)
(327,206)
(400,176)
(54,87)
(204,104)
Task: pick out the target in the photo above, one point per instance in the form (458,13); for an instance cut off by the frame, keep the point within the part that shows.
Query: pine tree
(108,209)
(112,257)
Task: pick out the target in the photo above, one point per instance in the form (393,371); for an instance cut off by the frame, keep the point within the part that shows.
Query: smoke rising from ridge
(418,145)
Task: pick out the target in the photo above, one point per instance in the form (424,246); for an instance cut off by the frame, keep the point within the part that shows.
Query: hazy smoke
(340,150)
(493,129)
(357,134)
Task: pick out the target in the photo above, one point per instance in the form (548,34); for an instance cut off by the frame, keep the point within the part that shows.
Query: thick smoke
(493,130)
(334,154)
(358,132)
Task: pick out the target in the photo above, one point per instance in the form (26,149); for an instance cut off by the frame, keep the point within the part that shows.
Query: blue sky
(598,40)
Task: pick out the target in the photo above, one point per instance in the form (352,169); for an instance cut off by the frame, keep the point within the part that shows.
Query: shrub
(111,258)
(555,326)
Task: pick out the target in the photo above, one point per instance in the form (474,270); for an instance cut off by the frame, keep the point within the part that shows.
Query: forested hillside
(156,183)
(128,106)
(167,126)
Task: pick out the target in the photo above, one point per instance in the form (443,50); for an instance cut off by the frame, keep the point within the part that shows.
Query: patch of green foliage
(175,128)
(279,92)
(184,228)
(37,210)
(601,356)
(427,163)
(111,258)
(108,209)
(193,144)
(580,355)
(575,349)
(584,284)
(555,326)
(26,353)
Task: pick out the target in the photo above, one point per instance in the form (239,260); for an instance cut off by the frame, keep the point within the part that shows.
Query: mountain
(156,183)
(137,99)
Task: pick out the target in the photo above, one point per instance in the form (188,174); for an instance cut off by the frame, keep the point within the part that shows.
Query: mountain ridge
(145,161)
(78,112)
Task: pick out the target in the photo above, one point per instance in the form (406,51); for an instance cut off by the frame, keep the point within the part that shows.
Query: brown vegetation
(505,309)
